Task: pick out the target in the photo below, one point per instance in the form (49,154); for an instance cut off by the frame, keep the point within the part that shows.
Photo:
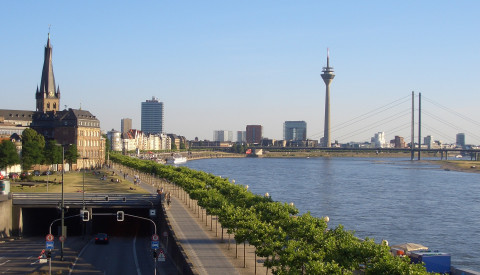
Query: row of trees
(291,243)
(35,150)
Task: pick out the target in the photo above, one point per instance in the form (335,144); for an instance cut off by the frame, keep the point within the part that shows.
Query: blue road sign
(155,245)
(49,245)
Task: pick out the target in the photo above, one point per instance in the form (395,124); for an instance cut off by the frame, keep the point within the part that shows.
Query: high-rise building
(378,140)
(428,141)
(327,77)
(461,140)
(152,117)
(241,136)
(294,130)
(254,133)
(126,125)
(222,135)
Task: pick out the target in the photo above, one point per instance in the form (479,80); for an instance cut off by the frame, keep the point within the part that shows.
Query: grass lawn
(74,183)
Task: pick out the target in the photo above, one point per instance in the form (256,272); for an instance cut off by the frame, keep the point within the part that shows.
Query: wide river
(386,199)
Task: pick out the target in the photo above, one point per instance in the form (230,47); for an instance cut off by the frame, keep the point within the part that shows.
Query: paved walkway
(201,236)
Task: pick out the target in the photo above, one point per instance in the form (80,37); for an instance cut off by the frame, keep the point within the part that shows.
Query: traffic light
(155,254)
(106,198)
(49,254)
(124,199)
(120,216)
(85,215)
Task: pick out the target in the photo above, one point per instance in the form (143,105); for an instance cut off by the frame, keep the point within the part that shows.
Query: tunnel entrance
(36,222)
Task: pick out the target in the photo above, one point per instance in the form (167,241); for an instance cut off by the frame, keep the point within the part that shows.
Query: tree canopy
(33,145)
(8,154)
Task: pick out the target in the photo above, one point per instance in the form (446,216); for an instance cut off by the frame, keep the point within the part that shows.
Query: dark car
(47,173)
(101,238)
(36,173)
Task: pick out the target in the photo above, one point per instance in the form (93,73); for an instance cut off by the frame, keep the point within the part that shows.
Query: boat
(176,159)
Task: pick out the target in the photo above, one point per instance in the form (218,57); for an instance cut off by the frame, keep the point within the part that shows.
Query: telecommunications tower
(327,75)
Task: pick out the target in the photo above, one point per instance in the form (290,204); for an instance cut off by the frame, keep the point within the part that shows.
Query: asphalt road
(122,255)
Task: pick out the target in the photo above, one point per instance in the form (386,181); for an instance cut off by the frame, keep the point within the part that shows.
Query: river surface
(386,199)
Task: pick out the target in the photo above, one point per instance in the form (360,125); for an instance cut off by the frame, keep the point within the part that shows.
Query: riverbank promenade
(207,248)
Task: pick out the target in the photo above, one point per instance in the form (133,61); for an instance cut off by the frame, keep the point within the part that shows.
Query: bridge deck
(104,200)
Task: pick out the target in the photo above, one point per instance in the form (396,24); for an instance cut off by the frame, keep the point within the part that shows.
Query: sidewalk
(201,237)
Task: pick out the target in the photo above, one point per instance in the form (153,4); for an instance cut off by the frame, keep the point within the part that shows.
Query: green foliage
(8,154)
(53,153)
(71,154)
(32,148)
(291,244)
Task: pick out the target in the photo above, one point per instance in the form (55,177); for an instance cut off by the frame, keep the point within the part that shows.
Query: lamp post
(83,191)
(63,206)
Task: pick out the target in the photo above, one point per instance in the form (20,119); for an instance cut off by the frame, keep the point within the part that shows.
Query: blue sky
(221,65)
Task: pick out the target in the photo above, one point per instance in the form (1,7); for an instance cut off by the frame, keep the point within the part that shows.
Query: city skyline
(245,63)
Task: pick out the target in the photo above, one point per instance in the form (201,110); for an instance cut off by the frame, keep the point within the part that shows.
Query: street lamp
(63,205)
(63,201)
(83,191)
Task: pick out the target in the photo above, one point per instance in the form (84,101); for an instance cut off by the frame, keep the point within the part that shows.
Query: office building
(126,125)
(428,141)
(378,140)
(222,135)
(241,136)
(294,130)
(461,140)
(254,134)
(152,117)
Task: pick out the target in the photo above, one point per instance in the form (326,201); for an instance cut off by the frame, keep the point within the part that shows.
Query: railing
(105,200)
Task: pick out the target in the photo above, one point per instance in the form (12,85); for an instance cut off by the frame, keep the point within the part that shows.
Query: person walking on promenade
(169,200)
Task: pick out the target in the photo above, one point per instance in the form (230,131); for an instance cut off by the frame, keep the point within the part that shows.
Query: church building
(66,127)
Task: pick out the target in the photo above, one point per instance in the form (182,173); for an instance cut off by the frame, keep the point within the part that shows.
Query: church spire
(47,95)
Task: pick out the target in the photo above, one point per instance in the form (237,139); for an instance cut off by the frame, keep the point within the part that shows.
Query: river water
(386,199)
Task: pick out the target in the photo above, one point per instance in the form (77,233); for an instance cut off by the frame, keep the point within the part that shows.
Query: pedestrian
(169,199)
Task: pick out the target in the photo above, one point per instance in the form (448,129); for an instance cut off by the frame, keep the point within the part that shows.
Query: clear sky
(221,65)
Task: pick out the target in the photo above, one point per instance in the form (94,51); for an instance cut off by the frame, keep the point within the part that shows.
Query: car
(36,173)
(48,172)
(13,175)
(101,238)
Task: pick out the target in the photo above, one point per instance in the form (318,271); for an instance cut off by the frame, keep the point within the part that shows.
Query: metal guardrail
(104,200)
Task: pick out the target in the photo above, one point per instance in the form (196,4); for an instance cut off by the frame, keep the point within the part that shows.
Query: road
(123,255)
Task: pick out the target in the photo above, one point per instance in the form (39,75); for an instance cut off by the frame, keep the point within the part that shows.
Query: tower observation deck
(327,76)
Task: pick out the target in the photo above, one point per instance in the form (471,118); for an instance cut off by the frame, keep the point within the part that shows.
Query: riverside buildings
(254,134)
(152,117)
(222,135)
(294,130)
(125,125)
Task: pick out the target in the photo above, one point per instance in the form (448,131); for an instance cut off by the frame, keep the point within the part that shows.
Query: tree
(8,154)
(53,153)
(33,145)
(71,154)
(108,145)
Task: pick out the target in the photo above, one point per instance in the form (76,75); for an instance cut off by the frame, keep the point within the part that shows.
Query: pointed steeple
(47,83)
(47,94)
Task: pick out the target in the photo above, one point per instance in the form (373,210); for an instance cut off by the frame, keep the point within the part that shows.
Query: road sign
(61,238)
(154,237)
(165,233)
(161,256)
(155,245)
(49,238)
(49,245)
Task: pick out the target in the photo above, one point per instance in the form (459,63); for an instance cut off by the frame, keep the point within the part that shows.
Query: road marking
(78,256)
(135,255)
(5,262)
